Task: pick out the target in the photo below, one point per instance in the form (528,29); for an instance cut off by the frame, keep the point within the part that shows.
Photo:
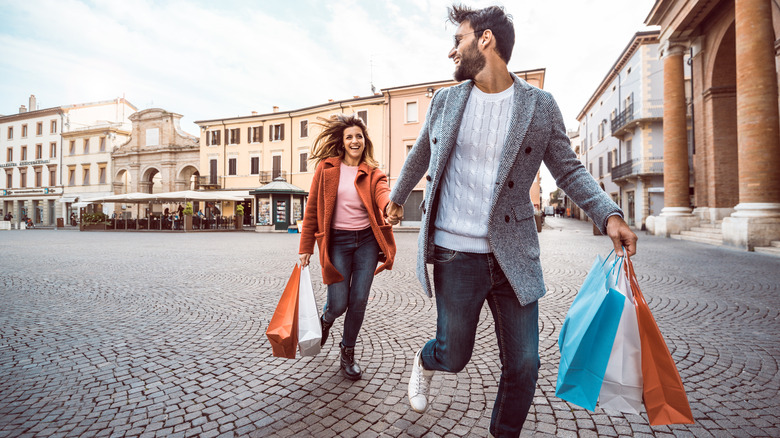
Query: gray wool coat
(536,133)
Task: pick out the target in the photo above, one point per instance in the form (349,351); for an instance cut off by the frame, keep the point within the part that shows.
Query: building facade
(35,168)
(158,156)
(734,50)
(622,130)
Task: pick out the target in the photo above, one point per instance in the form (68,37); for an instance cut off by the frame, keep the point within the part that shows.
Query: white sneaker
(419,382)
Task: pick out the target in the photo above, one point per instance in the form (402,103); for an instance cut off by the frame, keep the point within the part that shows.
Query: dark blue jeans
(355,255)
(463,281)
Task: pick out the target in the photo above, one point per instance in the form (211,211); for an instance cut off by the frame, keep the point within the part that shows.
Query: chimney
(254,113)
(33,103)
(330,100)
(355,97)
(276,109)
(22,109)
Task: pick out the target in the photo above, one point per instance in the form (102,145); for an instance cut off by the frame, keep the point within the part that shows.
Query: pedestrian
(482,144)
(344,214)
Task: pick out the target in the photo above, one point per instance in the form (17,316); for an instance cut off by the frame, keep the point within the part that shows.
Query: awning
(68,199)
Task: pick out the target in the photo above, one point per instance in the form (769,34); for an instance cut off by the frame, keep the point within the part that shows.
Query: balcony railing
(209,182)
(267,176)
(624,117)
(637,167)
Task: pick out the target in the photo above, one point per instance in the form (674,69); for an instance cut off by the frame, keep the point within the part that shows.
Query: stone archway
(722,154)
(151,181)
(187,178)
(122,182)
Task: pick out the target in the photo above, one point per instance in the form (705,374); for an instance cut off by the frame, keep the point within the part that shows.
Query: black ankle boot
(348,366)
(325,330)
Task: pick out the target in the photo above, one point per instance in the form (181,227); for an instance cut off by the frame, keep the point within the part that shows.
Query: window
(52,150)
(86,145)
(409,148)
(276,167)
(52,176)
(213,172)
(304,164)
(86,176)
(22,178)
(213,138)
(304,128)
(38,151)
(254,164)
(9,154)
(232,166)
(590,168)
(601,166)
(53,127)
(9,180)
(10,132)
(72,147)
(363,115)
(628,150)
(235,136)
(24,153)
(411,112)
(102,144)
(39,128)
(24,131)
(609,161)
(276,133)
(71,176)
(102,174)
(256,134)
(38,177)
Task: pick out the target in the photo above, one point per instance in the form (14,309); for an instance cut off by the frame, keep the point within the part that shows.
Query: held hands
(304,259)
(394,213)
(621,236)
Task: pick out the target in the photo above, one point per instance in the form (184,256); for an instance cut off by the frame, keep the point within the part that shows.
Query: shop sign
(41,191)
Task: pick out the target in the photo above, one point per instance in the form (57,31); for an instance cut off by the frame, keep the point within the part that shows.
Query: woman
(344,215)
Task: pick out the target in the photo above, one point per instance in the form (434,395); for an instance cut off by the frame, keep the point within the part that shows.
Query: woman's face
(354,144)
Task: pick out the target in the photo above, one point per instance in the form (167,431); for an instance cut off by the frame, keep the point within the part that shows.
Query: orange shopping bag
(282,330)
(663,391)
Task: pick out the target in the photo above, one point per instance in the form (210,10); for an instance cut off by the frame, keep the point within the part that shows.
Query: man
(482,144)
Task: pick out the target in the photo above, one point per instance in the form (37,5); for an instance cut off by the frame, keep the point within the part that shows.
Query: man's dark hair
(493,18)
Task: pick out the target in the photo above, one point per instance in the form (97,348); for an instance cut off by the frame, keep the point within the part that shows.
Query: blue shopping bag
(587,335)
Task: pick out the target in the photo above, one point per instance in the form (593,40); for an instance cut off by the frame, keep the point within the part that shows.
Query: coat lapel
(330,182)
(448,130)
(522,113)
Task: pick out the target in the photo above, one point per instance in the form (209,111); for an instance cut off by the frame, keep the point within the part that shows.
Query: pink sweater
(350,213)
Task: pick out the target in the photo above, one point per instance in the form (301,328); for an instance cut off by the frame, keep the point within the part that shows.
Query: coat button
(511,184)
(528,150)
(506,218)
(434,140)
(427,177)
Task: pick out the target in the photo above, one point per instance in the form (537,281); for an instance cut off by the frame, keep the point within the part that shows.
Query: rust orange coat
(372,187)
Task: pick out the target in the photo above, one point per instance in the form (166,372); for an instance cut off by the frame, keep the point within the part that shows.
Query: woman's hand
(394,213)
(304,259)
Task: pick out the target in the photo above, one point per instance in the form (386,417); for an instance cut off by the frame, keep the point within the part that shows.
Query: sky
(207,59)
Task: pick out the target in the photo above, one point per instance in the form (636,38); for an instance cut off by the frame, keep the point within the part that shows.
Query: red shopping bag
(282,330)
(663,391)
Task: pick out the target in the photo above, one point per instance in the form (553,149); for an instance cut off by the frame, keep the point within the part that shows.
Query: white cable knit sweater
(469,179)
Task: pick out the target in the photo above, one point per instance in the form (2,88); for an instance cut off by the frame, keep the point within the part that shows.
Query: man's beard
(471,63)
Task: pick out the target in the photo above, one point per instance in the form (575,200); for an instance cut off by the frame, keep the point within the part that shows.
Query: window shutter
(248,135)
(227,136)
(281,131)
(271,133)
(238,136)
(208,137)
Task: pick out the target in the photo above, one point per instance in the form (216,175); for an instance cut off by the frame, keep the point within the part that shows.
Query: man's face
(465,53)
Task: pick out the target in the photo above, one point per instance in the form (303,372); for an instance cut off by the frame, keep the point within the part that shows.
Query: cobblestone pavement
(141,334)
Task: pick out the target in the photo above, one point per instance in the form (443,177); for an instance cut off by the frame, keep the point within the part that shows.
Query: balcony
(638,167)
(267,176)
(628,118)
(209,182)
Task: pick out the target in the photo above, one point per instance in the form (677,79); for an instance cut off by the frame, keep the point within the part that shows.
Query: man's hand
(304,258)
(621,235)
(394,213)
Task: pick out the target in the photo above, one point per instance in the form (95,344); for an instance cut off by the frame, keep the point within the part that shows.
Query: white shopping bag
(309,330)
(622,387)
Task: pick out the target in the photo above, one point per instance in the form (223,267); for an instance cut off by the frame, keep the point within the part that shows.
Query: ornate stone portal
(159,157)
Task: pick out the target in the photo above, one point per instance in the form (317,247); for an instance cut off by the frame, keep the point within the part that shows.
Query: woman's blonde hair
(330,141)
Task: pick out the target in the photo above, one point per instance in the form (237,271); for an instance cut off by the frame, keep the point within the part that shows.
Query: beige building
(36,161)
(244,153)
(158,157)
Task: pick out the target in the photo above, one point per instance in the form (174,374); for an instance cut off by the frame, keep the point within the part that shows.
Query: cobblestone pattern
(162,335)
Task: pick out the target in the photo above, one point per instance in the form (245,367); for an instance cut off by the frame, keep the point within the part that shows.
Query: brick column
(758,132)
(756,220)
(676,175)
